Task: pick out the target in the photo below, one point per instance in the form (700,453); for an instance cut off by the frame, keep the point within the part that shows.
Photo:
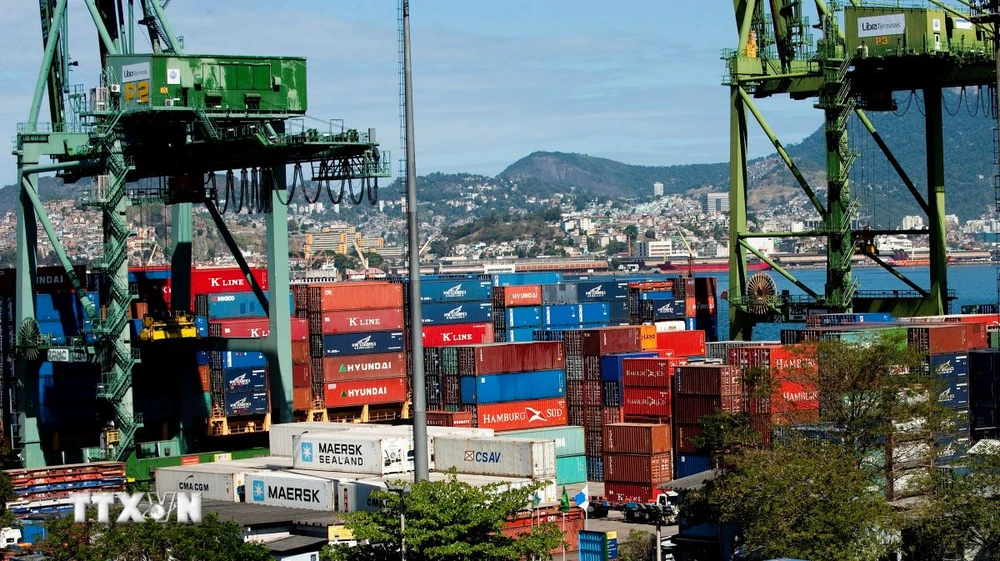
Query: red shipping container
(355,295)
(502,358)
(639,468)
(708,379)
(690,408)
(650,372)
(652,286)
(618,492)
(682,343)
(205,376)
(683,433)
(570,525)
(512,296)
(301,376)
(460,334)
(364,367)
(794,373)
(636,438)
(360,321)
(648,402)
(223,279)
(449,419)
(518,415)
(300,329)
(302,399)
(976,335)
(610,340)
(613,415)
(239,328)
(365,392)
(300,352)
(938,339)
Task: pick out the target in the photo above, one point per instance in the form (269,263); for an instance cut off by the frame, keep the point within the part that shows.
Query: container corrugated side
(569,440)
(281,434)
(637,438)
(368,342)
(502,358)
(608,340)
(521,386)
(291,490)
(513,296)
(457,312)
(647,402)
(638,468)
(682,343)
(522,414)
(458,290)
(350,453)
(350,393)
(493,456)
(364,367)
(217,484)
(358,321)
(457,334)
(344,296)
(571,470)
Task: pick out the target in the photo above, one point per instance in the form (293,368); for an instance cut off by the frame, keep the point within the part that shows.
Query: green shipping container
(571,469)
(569,440)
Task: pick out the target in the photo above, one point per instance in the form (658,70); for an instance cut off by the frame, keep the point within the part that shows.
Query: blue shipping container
(456,291)
(201,323)
(661,295)
(526,316)
(522,386)
(245,379)
(604,291)
(521,335)
(246,403)
(233,305)
(595,469)
(593,546)
(618,311)
(467,312)
(690,464)
(956,394)
(238,359)
(611,365)
(668,309)
(67,393)
(948,366)
(519,279)
(561,315)
(594,313)
(371,342)
(201,358)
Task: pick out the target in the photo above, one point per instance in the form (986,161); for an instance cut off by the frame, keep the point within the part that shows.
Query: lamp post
(402,491)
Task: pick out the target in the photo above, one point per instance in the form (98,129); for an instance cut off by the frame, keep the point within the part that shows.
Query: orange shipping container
(449,419)
(355,296)
(636,438)
(510,296)
(300,352)
(647,337)
(638,468)
(205,375)
(569,524)
(301,399)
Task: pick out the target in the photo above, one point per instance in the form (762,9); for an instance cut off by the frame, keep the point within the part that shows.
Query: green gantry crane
(866,51)
(176,120)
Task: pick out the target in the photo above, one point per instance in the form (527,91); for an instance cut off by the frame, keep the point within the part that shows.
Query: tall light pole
(421,471)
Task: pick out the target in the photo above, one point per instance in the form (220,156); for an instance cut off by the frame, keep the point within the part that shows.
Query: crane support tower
(865,52)
(157,127)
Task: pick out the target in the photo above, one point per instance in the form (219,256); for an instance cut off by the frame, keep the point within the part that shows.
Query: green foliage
(498,227)
(632,232)
(212,540)
(447,521)
(724,434)
(638,546)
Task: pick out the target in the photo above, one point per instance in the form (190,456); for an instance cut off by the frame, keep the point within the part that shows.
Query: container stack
(357,348)
(571,463)
(519,311)
(946,350)
(701,390)
(302,388)
(666,301)
(646,383)
(984,393)
(781,385)
(508,386)
(516,311)
(239,390)
(637,459)
(612,383)
(47,490)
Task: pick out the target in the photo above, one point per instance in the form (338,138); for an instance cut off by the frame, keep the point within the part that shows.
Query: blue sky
(636,81)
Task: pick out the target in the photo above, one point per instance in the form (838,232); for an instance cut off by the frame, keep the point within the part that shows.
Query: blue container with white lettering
(237,359)
(370,342)
(526,316)
(456,290)
(521,334)
(202,358)
(457,312)
(660,295)
(522,386)
(239,404)
(520,279)
(950,365)
(603,291)
(245,379)
(201,324)
(594,313)
(664,309)
(611,365)
(232,305)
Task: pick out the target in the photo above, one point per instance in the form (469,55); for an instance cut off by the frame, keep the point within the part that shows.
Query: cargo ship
(720,265)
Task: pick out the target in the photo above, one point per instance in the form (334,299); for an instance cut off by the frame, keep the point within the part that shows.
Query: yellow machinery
(180,326)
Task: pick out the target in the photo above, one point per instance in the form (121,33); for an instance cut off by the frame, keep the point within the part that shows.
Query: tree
(724,434)
(650,234)
(632,232)
(374,259)
(149,541)
(447,520)
(638,546)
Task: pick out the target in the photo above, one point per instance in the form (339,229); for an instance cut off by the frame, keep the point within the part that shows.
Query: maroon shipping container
(690,408)
(634,438)
(592,368)
(648,402)
(649,372)
(593,418)
(613,415)
(938,339)
(353,295)
(205,377)
(301,376)
(710,379)
(639,468)
(364,367)
(574,394)
(353,393)
(593,442)
(610,340)
(360,321)
(300,297)
(451,335)
(683,433)
(517,415)
(592,394)
(976,336)
(618,492)
(300,352)
(302,399)
(300,329)
(502,358)
(449,419)
(239,328)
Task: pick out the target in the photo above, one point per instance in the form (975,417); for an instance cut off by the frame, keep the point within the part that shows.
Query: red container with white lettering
(794,374)
(300,329)
(458,334)
(343,296)
(364,367)
(360,321)
(646,402)
(223,279)
(255,328)
(618,492)
(449,419)
(649,372)
(610,340)
(682,343)
(517,415)
(365,392)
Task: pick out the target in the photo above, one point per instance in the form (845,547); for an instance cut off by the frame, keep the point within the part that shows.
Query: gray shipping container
(291,490)
(515,457)
(218,481)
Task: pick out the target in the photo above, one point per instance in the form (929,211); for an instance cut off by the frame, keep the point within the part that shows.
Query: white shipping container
(215,481)
(280,436)
(668,326)
(515,457)
(356,495)
(290,490)
(353,453)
